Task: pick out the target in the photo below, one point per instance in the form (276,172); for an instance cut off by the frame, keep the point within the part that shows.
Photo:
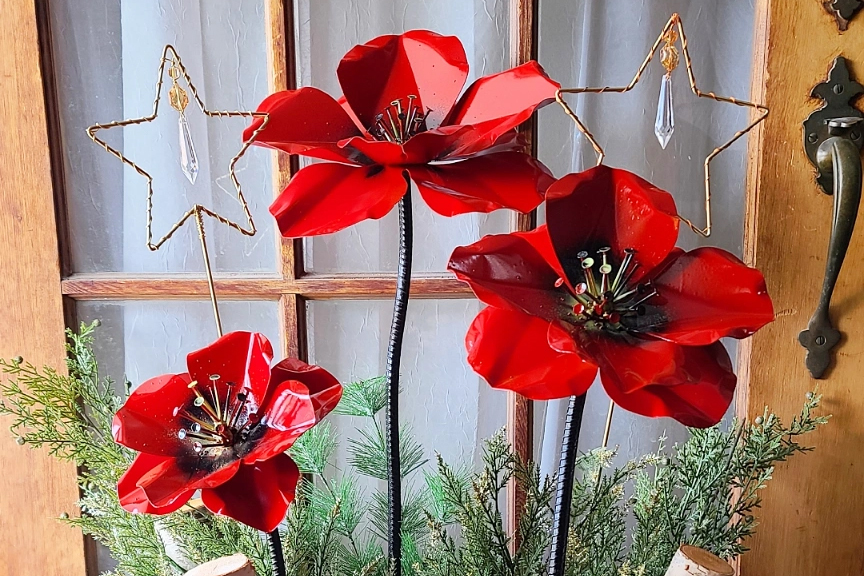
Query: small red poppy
(602,285)
(222,428)
(398,119)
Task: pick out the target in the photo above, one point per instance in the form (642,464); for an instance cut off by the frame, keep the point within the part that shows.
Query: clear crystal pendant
(188,158)
(664,124)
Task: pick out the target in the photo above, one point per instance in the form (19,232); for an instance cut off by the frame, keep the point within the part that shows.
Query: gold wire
(170,56)
(608,424)
(674,21)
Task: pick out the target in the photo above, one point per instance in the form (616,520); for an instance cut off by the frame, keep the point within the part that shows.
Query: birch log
(236,565)
(692,561)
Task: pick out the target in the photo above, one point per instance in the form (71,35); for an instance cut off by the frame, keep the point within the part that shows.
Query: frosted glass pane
(450,409)
(106,54)
(328,29)
(590,44)
(145,339)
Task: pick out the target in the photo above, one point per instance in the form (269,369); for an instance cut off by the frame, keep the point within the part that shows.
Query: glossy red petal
(509,350)
(304,121)
(238,361)
(168,480)
(258,495)
(707,294)
(482,184)
(540,241)
(506,271)
(325,390)
(147,421)
(498,103)
(420,149)
(692,384)
(132,497)
(417,63)
(325,198)
(289,413)
(609,207)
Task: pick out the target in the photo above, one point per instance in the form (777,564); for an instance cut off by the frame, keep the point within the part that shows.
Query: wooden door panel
(812,522)
(34,488)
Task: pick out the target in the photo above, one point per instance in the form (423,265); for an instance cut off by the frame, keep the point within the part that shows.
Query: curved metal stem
(838,156)
(394,358)
(564,492)
(277,559)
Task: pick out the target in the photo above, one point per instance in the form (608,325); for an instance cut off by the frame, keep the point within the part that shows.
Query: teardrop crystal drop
(188,158)
(664,124)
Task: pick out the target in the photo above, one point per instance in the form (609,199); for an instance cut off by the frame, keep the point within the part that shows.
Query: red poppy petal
(417,63)
(302,121)
(504,270)
(509,350)
(609,207)
(500,102)
(707,294)
(132,497)
(166,481)
(324,389)
(258,495)
(147,421)
(239,359)
(540,241)
(325,198)
(289,413)
(692,384)
(482,184)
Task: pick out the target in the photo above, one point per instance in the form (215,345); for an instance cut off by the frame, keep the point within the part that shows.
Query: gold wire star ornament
(179,100)
(672,32)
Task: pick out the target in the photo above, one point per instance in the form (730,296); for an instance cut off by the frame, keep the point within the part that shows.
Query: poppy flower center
(213,422)
(606,299)
(399,121)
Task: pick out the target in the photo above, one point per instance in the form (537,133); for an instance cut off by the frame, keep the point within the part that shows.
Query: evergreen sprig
(703,492)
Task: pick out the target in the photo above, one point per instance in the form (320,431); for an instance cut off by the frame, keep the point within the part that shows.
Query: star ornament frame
(179,99)
(671,33)
(178,102)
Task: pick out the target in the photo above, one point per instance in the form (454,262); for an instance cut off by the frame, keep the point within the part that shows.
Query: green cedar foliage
(626,520)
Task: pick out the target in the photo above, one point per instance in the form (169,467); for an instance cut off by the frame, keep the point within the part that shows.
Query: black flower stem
(564,492)
(277,559)
(394,358)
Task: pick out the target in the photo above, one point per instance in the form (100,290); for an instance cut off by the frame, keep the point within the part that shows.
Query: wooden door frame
(812,519)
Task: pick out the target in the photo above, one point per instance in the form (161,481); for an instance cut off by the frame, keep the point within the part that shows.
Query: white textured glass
(602,43)
(450,409)
(142,339)
(106,54)
(326,30)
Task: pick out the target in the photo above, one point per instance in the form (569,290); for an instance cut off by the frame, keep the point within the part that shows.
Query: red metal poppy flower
(222,428)
(602,285)
(398,119)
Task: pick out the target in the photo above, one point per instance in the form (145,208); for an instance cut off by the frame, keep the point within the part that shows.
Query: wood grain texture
(349,287)
(812,520)
(524,23)
(34,488)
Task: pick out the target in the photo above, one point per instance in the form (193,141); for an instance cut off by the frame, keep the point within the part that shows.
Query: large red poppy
(222,428)
(602,285)
(399,118)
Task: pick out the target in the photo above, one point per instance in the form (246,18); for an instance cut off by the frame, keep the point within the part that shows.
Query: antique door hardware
(843,11)
(833,141)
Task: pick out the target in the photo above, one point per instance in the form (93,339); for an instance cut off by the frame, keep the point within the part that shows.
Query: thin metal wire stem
(199,221)
(564,492)
(277,559)
(608,423)
(674,21)
(394,358)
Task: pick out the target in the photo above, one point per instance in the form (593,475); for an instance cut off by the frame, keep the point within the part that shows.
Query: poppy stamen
(398,123)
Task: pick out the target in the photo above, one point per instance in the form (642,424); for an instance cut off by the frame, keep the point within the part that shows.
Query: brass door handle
(839,157)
